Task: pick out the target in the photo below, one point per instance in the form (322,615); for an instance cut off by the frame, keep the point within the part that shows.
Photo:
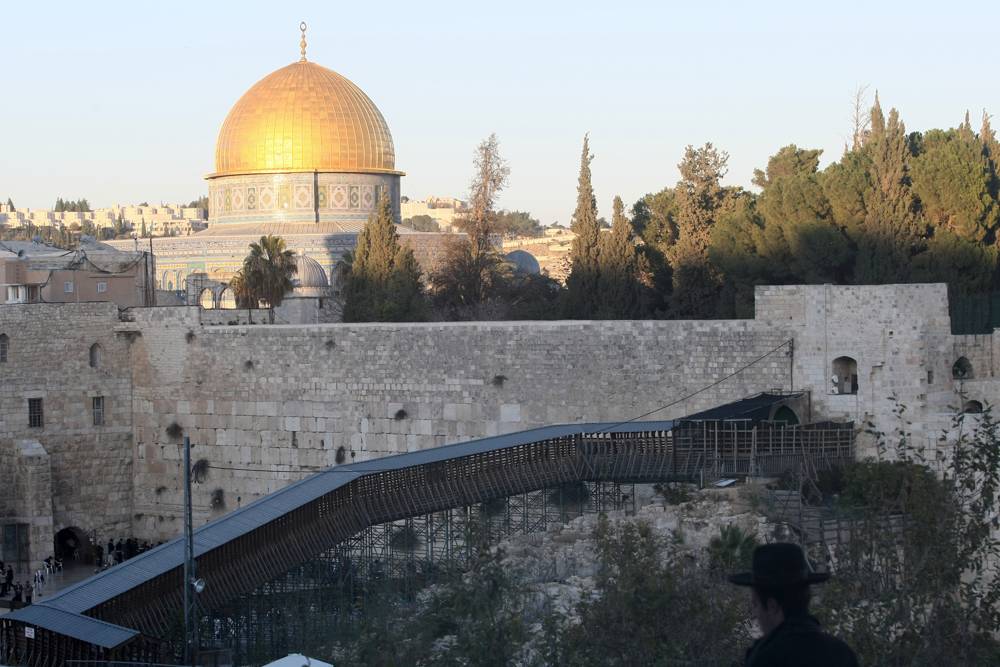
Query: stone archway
(73,545)
(785,415)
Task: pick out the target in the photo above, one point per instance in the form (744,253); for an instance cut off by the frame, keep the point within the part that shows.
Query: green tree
(953,180)
(643,606)
(473,269)
(733,250)
(201,202)
(421,223)
(619,287)
(966,265)
(846,184)
(890,232)
(517,223)
(10,204)
(383,282)
(267,272)
(800,233)
(582,284)
(700,199)
(921,567)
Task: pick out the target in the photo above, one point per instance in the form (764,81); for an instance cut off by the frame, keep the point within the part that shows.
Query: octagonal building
(304,154)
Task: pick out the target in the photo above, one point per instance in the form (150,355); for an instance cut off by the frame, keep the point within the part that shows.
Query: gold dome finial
(302,44)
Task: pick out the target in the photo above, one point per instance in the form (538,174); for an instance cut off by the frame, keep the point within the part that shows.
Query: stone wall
(49,358)
(264,403)
(26,498)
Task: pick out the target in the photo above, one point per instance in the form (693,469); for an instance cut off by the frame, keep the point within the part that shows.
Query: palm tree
(731,548)
(267,272)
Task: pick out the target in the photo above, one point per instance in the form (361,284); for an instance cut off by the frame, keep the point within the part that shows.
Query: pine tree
(890,232)
(582,283)
(618,278)
(799,232)
(700,198)
(384,281)
(953,180)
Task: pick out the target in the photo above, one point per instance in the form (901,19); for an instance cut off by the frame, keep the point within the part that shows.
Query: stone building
(34,273)
(265,405)
(162,220)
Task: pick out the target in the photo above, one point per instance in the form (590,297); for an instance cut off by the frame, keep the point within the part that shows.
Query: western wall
(265,404)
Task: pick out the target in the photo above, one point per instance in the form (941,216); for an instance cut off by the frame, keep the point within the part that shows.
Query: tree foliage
(70,206)
(266,274)
(473,270)
(585,264)
(383,279)
(421,223)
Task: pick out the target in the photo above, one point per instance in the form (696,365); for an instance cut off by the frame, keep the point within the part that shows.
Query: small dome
(523,261)
(309,273)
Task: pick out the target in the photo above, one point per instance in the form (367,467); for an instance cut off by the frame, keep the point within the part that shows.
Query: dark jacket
(799,642)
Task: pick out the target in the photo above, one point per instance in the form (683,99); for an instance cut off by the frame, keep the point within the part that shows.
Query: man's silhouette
(779,597)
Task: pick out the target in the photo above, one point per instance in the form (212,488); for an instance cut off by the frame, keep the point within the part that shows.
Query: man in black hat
(779,598)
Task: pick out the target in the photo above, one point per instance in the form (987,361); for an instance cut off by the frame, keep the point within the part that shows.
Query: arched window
(962,369)
(972,408)
(845,376)
(227,299)
(4,342)
(95,355)
(785,415)
(206,299)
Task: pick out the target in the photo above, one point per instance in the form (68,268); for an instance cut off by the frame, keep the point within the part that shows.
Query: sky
(122,101)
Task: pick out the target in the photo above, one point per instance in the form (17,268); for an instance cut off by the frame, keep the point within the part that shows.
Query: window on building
(962,369)
(97,405)
(206,299)
(36,417)
(4,343)
(102,287)
(68,287)
(845,376)
(95,355)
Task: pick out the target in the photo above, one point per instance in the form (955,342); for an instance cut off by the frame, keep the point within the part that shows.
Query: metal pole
(188,556)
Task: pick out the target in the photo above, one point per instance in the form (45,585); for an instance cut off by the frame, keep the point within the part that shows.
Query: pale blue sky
(122,101)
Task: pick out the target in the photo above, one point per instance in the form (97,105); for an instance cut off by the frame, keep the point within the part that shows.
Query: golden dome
(304,117)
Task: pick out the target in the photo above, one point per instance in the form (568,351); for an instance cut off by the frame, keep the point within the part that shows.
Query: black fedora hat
(779,565)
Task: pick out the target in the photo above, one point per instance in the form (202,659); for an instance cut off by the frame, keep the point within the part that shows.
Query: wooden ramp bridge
(406,512)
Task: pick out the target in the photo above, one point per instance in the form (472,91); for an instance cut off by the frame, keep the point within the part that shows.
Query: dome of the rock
(304,118)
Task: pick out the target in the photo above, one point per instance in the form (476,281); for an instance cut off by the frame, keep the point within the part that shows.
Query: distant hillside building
(444,210)
(35,273)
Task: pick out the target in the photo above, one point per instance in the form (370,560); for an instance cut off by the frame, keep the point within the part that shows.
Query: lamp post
(192,585)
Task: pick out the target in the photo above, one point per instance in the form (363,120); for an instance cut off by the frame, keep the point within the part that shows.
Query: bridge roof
(68,605)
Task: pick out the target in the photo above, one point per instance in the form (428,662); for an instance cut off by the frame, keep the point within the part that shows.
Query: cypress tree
(890,232)
(384,281)
(618,276)
(991,150)
(582,283)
